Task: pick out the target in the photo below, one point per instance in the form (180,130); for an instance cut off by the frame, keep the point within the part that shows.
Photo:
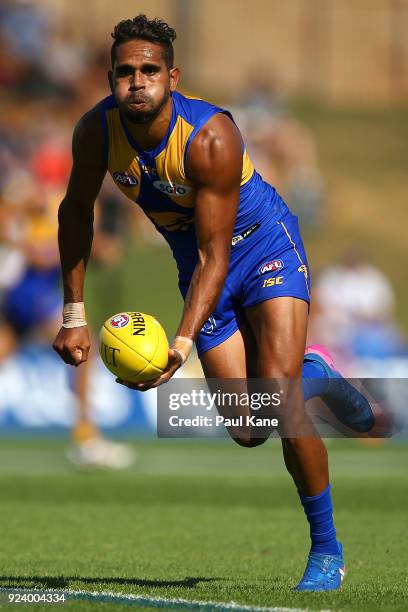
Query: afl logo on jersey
(171,189)
(126,179)
(271,266)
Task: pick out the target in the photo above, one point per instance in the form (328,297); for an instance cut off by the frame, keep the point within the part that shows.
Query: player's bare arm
(76,227)
(215,166)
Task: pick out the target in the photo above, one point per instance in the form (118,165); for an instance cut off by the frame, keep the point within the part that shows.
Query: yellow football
(134,346)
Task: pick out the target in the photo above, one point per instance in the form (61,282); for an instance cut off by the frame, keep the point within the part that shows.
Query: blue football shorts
(267,260)
(35,300)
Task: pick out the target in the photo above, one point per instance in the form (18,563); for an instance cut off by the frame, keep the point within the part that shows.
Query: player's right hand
(73,344)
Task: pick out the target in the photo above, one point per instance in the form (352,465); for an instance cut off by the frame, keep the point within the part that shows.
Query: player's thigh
(233,361)
(234,358)
(279,326)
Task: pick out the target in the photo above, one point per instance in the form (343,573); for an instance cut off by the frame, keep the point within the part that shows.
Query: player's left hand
(173,365)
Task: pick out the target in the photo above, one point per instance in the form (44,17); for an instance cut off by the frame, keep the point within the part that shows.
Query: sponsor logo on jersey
(144,168)
(209,326)
(126,179)
(304,270)
(120,320)
(245,233)
(172,189)
(171,221)
(273,280)
(271,266)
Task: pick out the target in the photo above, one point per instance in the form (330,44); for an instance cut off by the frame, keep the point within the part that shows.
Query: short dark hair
(154,30)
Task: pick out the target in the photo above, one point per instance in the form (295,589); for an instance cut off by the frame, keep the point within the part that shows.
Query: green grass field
(201,521)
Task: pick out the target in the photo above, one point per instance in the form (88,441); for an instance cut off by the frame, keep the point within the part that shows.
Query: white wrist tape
(182,345)
(74,315)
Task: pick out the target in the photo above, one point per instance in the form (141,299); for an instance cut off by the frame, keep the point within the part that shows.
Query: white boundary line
(154,602)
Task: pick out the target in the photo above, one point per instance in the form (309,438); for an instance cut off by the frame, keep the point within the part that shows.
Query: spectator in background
(40,80)
(66,63)
(25,26)
(353,311)
(111,226)
(11,268)
(30,300)
(283,148)
(41,60)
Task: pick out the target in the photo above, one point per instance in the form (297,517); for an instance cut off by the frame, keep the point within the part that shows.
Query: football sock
(347,404)
(319,513)
(315,380)
(84,431)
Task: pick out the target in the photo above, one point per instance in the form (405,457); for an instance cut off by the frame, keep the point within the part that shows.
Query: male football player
(242,267)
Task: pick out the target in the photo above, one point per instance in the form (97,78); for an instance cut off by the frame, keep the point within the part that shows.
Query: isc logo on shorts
(171,189)
(271,266)
(273,280)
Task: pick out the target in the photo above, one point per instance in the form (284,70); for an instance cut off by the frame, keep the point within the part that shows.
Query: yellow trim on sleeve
(247,168)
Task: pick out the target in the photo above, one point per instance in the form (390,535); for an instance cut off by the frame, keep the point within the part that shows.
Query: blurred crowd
(282,148)
(353,302)
(48,78)
(353,313)
(43,93)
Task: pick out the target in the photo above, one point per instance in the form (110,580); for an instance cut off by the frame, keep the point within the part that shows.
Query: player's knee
(296,445)
(294,424)
(248,442)
(287,370)
(280,364)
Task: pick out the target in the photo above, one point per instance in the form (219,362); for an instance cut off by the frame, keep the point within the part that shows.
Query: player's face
(141,80)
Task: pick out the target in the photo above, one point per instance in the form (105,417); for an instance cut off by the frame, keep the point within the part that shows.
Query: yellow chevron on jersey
(126,164)
(247,168)
(123,163)
(170,162)
(157,179)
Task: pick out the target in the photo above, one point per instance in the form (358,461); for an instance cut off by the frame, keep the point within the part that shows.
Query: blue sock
(319,513)
(314,379)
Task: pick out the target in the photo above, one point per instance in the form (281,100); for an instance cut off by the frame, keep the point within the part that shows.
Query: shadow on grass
(63,582)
